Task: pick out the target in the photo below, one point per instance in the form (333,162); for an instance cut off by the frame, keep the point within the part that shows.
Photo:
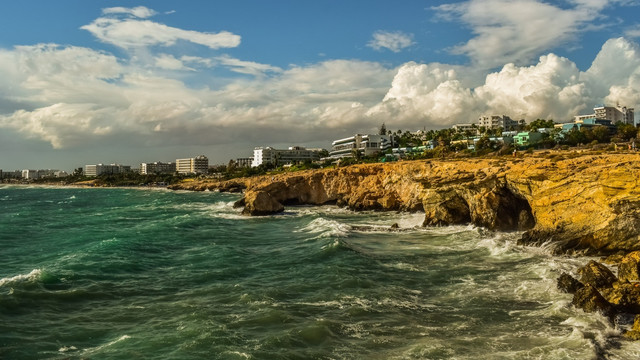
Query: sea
(125,273)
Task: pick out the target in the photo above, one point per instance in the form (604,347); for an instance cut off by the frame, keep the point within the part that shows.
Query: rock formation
(573,202)
(599,290)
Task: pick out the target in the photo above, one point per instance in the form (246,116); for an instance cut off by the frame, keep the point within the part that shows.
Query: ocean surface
(157,274)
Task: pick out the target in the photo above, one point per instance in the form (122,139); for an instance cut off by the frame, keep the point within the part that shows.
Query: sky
(86,82)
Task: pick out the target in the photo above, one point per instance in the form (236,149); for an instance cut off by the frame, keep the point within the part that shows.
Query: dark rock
(394,226)
(238,204)
(590,300)
(596,275)
(569,284)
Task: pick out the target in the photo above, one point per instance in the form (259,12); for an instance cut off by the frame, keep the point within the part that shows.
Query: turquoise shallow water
(126,273)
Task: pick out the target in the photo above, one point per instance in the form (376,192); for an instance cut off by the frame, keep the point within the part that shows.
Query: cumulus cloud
(517,31)
(433,95)
(74,97)
(390,40)
(132,33)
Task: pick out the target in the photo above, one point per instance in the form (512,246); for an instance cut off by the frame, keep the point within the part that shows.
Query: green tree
(383,130)
(626,131)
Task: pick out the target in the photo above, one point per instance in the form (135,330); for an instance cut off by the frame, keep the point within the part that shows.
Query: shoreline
(582,203)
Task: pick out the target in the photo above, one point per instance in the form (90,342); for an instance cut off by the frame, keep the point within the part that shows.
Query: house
(525,139)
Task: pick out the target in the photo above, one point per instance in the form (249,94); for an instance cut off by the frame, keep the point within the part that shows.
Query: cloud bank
(73,97)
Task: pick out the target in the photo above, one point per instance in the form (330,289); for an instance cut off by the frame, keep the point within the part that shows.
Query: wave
(326,228)
(96,349)
(31,277)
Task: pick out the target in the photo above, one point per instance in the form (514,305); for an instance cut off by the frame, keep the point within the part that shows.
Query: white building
(615,114)
(100,169)
(292,155)
(157,168)
(196,165)
(29,174)
(497,121)
(365,144)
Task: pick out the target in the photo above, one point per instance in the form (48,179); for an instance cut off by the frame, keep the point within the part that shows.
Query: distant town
(490,133)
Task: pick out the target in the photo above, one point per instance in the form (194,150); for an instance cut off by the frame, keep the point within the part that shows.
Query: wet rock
(629,267)
(261,203)
(625,296)
(596,275)
(395,226)
(634,333)
(590,300)
(569,284)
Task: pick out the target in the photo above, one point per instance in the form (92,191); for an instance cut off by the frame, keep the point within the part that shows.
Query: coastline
(575,203)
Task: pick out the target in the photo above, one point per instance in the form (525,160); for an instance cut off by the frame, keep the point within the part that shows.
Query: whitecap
(98,348)
(67,349)
(32,276)
(326,228)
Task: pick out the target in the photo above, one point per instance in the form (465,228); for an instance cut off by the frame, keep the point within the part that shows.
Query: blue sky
(134,81)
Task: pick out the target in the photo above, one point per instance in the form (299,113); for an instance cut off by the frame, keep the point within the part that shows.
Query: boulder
(629,267)
(596,275)
(624,295)
(569,284)
(589,299)
(261,203)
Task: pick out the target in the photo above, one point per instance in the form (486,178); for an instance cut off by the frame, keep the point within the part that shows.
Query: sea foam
(30,277)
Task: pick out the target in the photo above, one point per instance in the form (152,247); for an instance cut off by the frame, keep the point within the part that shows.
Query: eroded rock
(261,203)
(590,300)
(596,275)
(629,267)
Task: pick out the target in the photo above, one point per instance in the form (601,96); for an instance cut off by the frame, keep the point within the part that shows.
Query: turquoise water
(155,274)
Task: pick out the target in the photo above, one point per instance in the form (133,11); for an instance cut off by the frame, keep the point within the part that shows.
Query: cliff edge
(583,203)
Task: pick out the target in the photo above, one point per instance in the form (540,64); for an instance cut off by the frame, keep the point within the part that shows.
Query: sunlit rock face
(587,203)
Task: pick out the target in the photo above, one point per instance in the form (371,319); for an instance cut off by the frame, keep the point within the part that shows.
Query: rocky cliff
(573,202)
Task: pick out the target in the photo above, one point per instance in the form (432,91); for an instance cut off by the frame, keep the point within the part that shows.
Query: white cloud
(132,33)
(169,62)
(140,11)
(73,97)
(246,67)
(391,40)
(518,31)
(633,32)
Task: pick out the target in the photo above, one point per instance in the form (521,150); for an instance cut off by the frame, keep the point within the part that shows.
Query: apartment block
(366,145)
(157,168)
(195,165)
(292,155)
(498,121)
(100,169)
